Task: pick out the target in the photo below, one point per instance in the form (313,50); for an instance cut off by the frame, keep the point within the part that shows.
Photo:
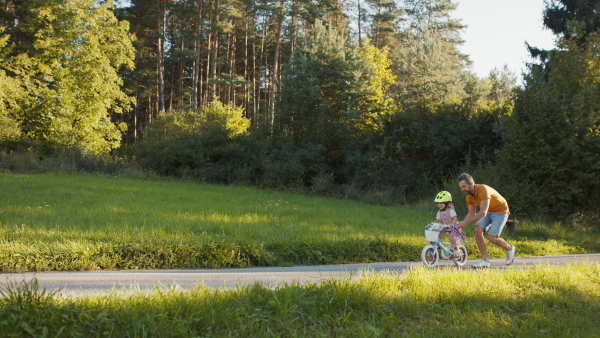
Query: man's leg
(498,222)
(499,242)
(479,230)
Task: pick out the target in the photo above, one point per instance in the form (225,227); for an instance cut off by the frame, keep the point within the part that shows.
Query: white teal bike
(438,248)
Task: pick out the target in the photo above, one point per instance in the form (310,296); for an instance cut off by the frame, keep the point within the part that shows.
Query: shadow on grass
(523,304)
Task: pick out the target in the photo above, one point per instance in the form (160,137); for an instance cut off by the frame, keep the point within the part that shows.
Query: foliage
(288,165)
(342,127)
(560,14)
(383,18)
(328,89)
(428,64)
(12,95)
(421,148)
(378,105)
(212,144)
(334,127)
(552,152)
(334,97)
(76,49)
(30,157)
(207,144)
(541,301)
(212,117)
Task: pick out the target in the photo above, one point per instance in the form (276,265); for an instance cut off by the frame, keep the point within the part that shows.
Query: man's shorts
(493,223)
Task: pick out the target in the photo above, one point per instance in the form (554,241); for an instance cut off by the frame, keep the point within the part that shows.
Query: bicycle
(431,253)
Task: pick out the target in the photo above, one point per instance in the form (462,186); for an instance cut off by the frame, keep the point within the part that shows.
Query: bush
(421,149)
(208,144)
(417,151)
(29,157)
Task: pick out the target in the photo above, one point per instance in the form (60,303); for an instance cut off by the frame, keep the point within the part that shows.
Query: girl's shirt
(447,217)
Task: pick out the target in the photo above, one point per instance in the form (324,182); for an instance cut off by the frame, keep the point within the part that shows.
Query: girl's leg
(453,241)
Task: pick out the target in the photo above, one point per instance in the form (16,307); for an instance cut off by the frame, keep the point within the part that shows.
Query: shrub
(422,148)
(206,144)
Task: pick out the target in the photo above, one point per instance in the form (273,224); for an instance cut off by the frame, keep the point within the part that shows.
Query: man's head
(466,183)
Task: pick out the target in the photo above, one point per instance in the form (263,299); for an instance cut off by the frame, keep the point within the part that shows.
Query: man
(492,216)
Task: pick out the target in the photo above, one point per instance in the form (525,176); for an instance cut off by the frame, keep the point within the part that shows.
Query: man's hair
(466,177)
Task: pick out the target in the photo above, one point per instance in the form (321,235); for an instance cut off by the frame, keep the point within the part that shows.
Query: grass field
(84,222)
(543,301)
(59,221)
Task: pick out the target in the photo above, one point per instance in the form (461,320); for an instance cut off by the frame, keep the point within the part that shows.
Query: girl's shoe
(457,254)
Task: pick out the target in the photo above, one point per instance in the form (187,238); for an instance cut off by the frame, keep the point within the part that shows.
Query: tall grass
(85,221)
(553,301)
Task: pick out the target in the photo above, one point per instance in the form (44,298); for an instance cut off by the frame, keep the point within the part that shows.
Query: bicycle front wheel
(430,255)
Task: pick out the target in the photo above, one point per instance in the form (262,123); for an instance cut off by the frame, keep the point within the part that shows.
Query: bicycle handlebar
(438,226)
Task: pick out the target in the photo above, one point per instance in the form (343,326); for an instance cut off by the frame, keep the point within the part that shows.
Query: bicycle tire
(430,255)
(463,259)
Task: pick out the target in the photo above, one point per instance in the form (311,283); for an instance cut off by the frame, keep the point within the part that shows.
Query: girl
(447,215)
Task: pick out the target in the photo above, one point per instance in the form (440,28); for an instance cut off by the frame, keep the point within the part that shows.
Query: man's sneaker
(510,255)
(482,264)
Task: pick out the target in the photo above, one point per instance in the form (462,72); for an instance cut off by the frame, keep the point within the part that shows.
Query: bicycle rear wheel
(430,255)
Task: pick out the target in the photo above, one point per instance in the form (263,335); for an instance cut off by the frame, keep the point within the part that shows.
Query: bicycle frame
(444,246)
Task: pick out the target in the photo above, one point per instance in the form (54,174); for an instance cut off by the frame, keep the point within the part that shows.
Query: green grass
(542,301)
(84,222)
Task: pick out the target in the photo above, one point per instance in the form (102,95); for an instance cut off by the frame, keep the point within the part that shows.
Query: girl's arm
(454,216)
(438,218)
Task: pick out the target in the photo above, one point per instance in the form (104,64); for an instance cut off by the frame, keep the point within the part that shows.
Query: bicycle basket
(431,235)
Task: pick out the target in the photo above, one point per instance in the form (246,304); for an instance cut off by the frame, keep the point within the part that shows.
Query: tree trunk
(215,54)
(181,76)
(275,70)
(161,58)
(246,102)
(232,61)
(135,123)
(293,29)
(359,24)
(261,65)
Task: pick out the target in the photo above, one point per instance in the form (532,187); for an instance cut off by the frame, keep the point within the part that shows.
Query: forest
(368,100)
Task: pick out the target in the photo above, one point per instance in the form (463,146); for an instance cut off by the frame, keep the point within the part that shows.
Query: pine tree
(560,13)
(332,92)
(384,18)
(560,17)
(428,64)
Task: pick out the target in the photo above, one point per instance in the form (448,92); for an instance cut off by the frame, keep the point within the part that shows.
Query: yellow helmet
(443,196)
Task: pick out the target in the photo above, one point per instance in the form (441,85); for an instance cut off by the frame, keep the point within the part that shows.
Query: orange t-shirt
(482,192)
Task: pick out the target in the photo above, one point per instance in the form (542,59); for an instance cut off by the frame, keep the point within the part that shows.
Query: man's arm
(473,216)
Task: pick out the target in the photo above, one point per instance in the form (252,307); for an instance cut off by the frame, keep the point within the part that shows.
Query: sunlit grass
(554,301)
(68,202)
(84,221)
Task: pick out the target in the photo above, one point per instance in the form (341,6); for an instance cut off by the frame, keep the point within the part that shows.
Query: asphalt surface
(132,281)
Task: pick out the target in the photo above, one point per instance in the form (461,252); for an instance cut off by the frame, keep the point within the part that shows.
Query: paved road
(103,282)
